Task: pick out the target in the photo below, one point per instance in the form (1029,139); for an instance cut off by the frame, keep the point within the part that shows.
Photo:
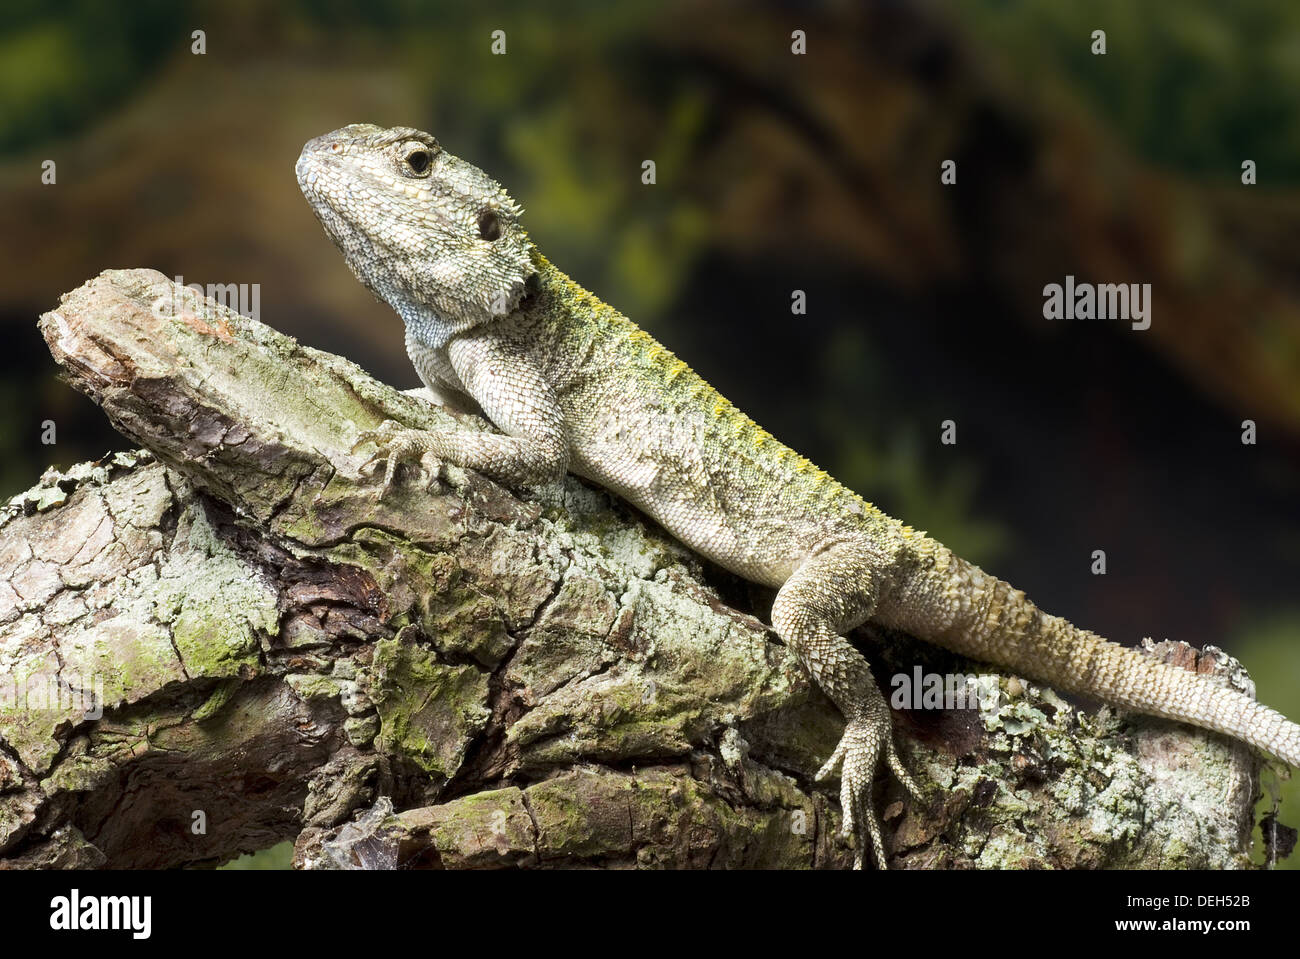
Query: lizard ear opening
(489,225)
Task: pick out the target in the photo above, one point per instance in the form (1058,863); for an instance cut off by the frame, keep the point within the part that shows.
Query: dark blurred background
(775,172)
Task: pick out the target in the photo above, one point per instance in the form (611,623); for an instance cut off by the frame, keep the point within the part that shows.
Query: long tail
(956,605)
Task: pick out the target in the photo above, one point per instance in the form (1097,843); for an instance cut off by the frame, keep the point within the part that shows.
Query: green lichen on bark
(429,711)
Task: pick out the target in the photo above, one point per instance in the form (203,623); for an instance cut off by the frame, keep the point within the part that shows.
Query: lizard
(573,385)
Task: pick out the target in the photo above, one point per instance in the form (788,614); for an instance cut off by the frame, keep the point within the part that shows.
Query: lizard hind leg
(832,592)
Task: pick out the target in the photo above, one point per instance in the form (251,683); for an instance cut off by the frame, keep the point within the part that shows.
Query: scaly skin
(575,385)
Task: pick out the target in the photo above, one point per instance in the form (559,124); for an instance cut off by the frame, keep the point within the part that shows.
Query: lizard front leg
(832,592)
(515,397)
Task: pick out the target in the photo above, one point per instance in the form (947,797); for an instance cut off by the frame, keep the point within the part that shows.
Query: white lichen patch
(133,609)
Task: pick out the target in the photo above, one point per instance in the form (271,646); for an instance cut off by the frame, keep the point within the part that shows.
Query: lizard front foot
(859,751)
(396,444)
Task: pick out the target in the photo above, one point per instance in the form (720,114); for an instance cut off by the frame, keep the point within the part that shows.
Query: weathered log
(225,640)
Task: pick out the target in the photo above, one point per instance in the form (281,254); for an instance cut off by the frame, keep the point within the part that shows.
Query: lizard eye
(419,161)
(489,225)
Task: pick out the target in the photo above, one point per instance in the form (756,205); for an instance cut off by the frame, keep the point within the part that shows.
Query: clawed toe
(857,755)
(394,445)
(380,435)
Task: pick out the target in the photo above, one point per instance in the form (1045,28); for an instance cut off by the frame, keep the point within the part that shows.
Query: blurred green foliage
(279,856)
(62,62)
(895,464)
(1197,85)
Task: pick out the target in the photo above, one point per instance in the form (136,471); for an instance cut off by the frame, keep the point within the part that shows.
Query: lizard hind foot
(860,749)
(396,444)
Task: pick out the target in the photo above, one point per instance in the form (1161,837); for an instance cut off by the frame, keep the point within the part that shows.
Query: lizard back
(678,449)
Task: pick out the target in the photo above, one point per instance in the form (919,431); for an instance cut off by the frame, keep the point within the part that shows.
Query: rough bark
(225,640)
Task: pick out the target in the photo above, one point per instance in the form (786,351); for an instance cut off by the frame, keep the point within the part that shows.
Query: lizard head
(433,236)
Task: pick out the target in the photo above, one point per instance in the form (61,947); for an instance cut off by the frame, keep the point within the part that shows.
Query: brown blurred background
(776,172)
